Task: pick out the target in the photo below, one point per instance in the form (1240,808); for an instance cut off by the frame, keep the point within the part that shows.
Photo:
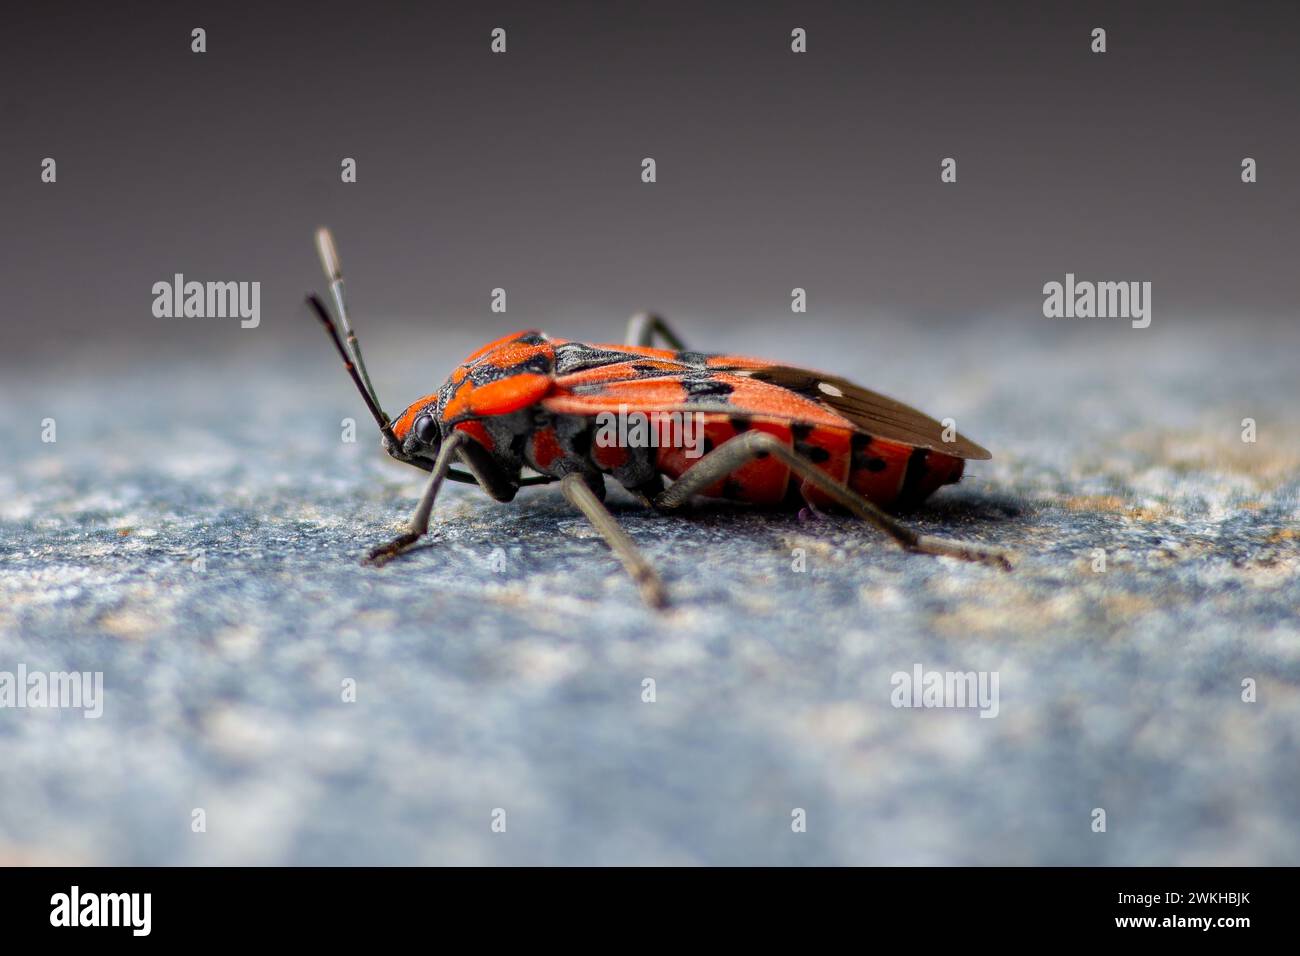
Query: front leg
(419,525)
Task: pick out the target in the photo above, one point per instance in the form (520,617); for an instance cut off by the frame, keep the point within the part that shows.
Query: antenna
(329,260)
(385,426)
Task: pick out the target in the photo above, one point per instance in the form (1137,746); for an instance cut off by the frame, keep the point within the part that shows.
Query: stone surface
(194,535)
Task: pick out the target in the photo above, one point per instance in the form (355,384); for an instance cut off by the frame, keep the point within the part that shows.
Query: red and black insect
(773,434)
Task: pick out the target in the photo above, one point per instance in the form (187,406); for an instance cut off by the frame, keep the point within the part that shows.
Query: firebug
(774,435)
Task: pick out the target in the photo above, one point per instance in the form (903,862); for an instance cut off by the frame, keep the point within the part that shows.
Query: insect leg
(732,454)
(582,497)
(420,519)
(489,475)
(642,328)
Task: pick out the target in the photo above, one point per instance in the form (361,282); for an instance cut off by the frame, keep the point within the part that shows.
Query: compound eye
(425,429)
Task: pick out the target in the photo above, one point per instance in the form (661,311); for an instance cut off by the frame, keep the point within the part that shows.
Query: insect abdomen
(892,473)
(886,473)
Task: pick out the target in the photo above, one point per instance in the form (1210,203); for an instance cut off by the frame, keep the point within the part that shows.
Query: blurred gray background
(522,170)
(517,684)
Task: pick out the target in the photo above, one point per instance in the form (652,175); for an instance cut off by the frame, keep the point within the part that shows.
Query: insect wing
(685,391)
(870,412)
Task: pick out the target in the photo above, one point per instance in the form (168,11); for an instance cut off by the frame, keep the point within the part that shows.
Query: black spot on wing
(537,364)
(577,357)
(704,389)
(484,373)
(693,359)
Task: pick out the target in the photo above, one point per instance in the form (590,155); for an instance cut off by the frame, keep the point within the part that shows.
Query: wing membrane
(876,414)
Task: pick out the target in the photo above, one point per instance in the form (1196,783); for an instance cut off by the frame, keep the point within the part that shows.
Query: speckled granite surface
(521,688)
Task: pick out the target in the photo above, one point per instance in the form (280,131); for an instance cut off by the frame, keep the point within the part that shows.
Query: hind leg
(733,454)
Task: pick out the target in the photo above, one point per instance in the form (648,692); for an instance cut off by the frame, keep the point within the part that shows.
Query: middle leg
(581,496)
